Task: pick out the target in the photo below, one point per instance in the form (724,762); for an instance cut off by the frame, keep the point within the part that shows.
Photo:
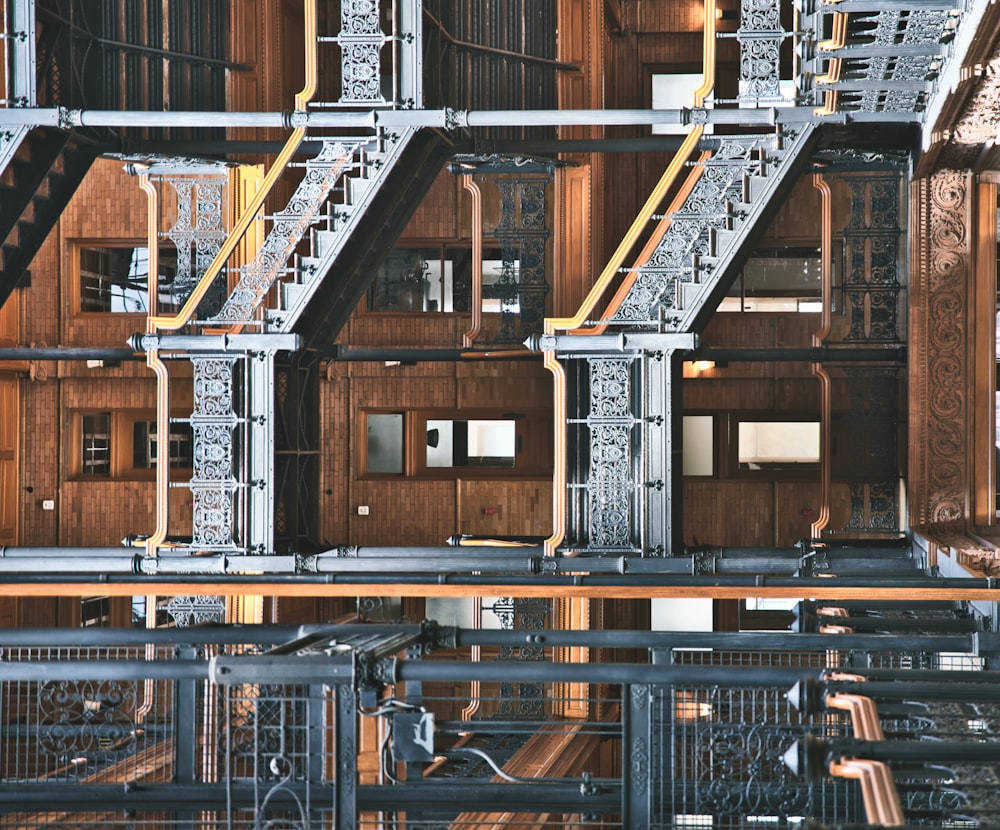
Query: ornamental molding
(939,369)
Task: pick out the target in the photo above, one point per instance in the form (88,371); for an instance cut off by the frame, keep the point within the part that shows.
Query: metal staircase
(327,206)
(235,319)
(714,229)
(35,187)
(616,480)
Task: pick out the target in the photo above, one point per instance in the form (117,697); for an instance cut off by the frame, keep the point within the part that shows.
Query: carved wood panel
(939,370)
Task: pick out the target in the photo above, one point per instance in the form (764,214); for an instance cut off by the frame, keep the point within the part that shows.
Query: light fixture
(703,365)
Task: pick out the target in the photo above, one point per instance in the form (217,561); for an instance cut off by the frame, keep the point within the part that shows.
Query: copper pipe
(835,629)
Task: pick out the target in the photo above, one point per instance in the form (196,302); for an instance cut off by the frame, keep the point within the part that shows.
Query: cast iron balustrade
(261,724)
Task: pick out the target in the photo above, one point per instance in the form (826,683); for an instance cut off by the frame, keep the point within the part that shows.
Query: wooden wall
(415,511)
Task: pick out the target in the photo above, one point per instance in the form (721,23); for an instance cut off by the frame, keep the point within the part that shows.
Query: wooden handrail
(641,222)
(249,213)
(649,247)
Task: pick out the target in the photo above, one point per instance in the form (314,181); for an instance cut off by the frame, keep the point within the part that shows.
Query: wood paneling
(573,264)
(9,484)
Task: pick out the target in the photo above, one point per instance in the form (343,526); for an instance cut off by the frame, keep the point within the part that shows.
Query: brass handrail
(826,406)
(477,261)
(552,324)
(249,213)
(864,714)
(878,790)
(661,228)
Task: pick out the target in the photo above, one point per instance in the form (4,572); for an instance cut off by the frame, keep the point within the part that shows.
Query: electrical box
(362,509)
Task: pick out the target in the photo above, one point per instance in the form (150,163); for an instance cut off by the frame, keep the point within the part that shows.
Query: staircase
(233,417)
(327,207)
(619,479)
(707,239)
(35,187)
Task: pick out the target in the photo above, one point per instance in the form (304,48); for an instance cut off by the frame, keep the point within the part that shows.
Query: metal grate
(718,751)
(87,731)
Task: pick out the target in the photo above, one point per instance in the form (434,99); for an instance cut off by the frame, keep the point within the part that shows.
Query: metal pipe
(43,671)
(372,119)
(34,353)
(750,641)
(197,635)
(610,673)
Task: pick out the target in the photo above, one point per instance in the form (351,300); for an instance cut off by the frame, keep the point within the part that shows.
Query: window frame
(76,250)
(533,444)
(788,471)
(121,450)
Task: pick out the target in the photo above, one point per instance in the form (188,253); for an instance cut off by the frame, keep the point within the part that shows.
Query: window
(145,447)
(698,442)
(96,445)
(124,444)
(438,278)
(778,280)
(764,445)
(437,444)
(750,445)
(423,279)
(114,278)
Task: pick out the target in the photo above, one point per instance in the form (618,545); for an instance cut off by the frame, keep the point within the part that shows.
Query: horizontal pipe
(394,118)
(198,635)
(43,671)
(35,353)
(347,354)
(541,796)
(749,641)
(620,585)
(611,673)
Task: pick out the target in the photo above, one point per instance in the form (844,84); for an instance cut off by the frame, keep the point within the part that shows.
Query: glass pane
(423,279)
(500,284)
(96,444)
(117,279)
(763,443)
(698,445)
(145,444)
(475,443)
(385,443)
